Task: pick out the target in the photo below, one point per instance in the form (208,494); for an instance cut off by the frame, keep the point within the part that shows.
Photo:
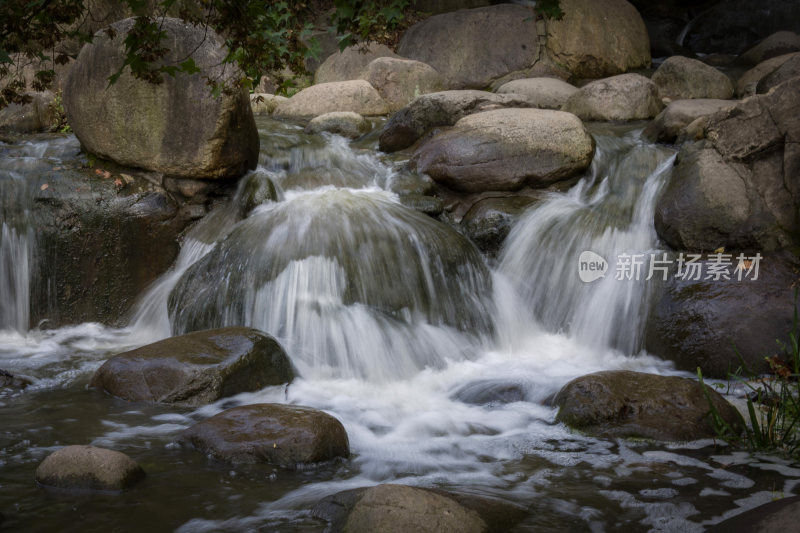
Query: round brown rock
(542,93)
(623,97)
(399,81)
(681,77)
(505,149)
(284,435)
(356,96)
(88,468)
(196,368)
(622,403)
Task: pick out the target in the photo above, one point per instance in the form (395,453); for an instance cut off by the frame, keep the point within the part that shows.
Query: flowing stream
(439,365)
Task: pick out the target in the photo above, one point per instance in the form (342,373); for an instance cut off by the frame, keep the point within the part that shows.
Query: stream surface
(441,373)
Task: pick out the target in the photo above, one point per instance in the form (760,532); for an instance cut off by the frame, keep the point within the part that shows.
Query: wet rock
(622,403)
(38,115)
(491,392)
(489,221)
(592,43)
(736,188)
(356,96)
(11,381)
(176,127)
(779,515)
(681,77)
(258,189)
(668,124)
(399,508)
(104,234)
(196,368)
(778,44)
(748,82)
(505,149)
(284,435)
(623,97)
(430,205)
(454,44)
(347,64)
(788,70)
(401,80)
(88,468)
(412,184)
(345,123)
(265,104)
(710,323)
(542,93)
(411,123)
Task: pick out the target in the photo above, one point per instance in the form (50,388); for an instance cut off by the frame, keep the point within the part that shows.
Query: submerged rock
(622,403)
(283,435)
(176,127)
(356,96)
(506,149)
(196,368)
(779,515)
(682,77)
(491,392)
(623,97)
(399,508)
(88,468)
(445,108)
(11,381)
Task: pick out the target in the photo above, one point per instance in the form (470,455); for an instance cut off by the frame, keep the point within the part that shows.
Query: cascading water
(439,367)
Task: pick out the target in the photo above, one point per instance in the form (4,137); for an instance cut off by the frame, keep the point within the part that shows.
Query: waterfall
(609,213)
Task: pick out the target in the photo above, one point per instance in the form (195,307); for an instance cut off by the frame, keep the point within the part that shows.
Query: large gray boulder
(598,38)
(542,93)
(88,468)
(196,368)
(445,108)
(621,403)
(398,509)
(506,149)
(669,124)
(719,324)
(455,44)
(176,127)
(738,187)
(356,96)
(347,64)
(682,77)
(399,81)
(283,435)
(622,97)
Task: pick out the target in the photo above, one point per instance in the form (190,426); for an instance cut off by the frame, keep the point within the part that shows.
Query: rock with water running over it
(506,149)
(711,324)
(196,368)
(399,81)
(398,509)
(445,108)
(772,517)
(176,127)
(621,403)
(670,123)
(88,468)
(681,78)
(492,392)
(344,123)
(258,189)
(356,96)
(12,381)
(623,97)
(489,220)
(737,188)
(542,93)
(283,435)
